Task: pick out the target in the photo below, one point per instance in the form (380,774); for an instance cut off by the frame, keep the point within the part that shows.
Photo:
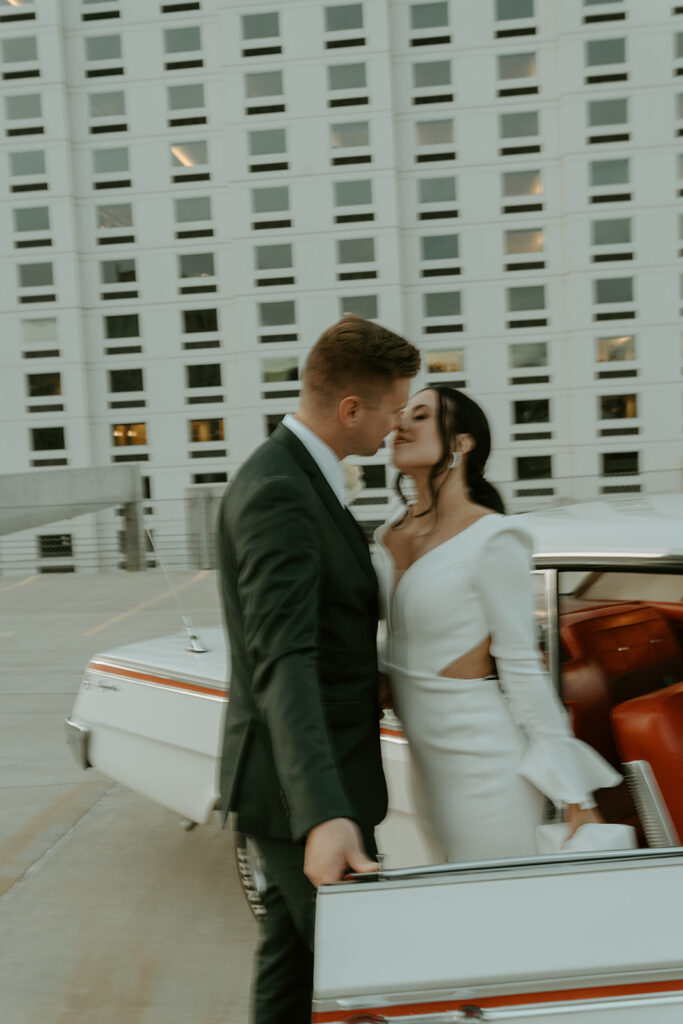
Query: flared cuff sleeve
(566,769)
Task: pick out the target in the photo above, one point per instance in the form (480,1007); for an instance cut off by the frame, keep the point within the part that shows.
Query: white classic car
(588,936)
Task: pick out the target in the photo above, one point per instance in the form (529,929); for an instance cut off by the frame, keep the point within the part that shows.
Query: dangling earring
(456,459)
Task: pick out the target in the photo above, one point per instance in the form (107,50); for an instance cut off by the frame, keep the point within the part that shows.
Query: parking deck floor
(110,913)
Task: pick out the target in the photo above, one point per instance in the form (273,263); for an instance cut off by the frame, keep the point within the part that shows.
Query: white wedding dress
(484,751)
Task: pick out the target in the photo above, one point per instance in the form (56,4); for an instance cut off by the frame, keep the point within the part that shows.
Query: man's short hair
(357,357)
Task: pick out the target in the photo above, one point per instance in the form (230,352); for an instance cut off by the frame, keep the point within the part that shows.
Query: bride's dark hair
(458,414)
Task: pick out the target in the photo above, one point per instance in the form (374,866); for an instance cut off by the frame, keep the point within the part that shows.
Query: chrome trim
(592,560)
(78,740)
(178,688)
(552,626)
(568,1006)
(650,804)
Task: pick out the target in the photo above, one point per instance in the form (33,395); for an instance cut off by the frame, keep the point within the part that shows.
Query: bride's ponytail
(482,492)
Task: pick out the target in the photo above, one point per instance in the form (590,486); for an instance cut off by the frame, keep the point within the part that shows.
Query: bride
(487,733)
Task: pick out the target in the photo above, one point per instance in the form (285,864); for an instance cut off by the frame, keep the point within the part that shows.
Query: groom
(301,766)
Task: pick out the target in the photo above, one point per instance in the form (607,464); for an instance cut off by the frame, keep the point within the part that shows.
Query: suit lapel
(342,516)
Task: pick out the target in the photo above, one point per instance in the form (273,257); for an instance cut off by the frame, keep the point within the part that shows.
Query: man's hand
(332,848)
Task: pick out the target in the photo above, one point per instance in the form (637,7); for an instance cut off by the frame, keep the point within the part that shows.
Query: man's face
(378,420)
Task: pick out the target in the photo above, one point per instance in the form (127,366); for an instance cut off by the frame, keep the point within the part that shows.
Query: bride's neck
(450,486)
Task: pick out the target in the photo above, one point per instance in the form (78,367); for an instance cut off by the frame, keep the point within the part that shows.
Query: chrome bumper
(78,738)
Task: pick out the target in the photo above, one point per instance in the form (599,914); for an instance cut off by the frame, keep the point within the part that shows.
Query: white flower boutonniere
(353,480)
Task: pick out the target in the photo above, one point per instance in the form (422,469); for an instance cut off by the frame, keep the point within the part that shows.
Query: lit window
(359,305)
(613,289)
(123,326)
(616,349)
(19,50)
(436,190)
(270,200)
(341,17)
(18,108)
(189,154)
(120,215)
(35,275)
(198,321)
(275,314)
(506,10)
(126,380)
(439,247)
(607,112)
(106,104)
(605,51)
(352,193)
(117,271)
(270,140)
(445,361)
(618,407)
(431,15)
(273,257)
(441,304)
(203,375)
(522,183)
(103,48)
(530,297)
(206,430)
(32,218)
(532,410)
(346,76)
(431,73)
(620,464)
(355,250)
(193,208)
(260,26)
(196,264)
(434,133)
(263,83)
(517,65)
(347,136)
(611,232)
(181,40)
(185,97)
(41,331)
(533,467)
(128,434)
(106,161)
(527,354)
(47,438)
(529,241)
(29,162)
(609,172)
(41,385)
(279,370)
(518,125)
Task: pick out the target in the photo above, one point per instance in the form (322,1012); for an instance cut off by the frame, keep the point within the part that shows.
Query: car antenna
(194,643)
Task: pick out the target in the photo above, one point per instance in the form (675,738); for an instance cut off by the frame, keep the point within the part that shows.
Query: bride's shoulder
(510,529)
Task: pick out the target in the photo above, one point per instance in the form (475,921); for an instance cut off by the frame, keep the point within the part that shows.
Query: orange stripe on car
(114,670)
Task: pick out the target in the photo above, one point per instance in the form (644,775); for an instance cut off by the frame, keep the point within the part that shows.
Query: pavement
(110,912)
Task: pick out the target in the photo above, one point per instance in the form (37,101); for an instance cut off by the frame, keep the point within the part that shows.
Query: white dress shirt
(327,462)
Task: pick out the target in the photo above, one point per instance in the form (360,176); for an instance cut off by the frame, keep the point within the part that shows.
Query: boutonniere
(353,480)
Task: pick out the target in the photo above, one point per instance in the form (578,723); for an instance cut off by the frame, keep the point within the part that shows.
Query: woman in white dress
(488,736)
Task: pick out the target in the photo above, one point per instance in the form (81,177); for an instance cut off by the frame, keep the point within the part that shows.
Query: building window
(434,133)
(103,48)
(273,257)
(260,26)
(30,162)
(450,360)
(519,125)
(35,275)
(522,299)
(270,200)
(525,241)
(23,108)
(346,76)
(41,385)
(533,467)
(436,190)
(192,209)
(620,464)
(32,218)
(611,232)
(107,104)
(531,410)
(185,97)
(276,314)
(602,113)
(202,431)
(522,183)
(196,264)
(126,380)
(128,434)
(349,136)
(39,331)
(117,271)
(528,354)
(507,10)
(359,305)
(605,51)
(55,545)
(197,321)
(517,65)
(609,172)
(618,407)
(342,17)
(189,154)
(108,161)
(122,326)
(430,74)
(429,15)
(119,215)
(262,84)
(182,40)
(267,142)
(613,289)
(352,193)
(615,350)
(45,439)
(19,50)
(356,250)
(439,247)
(203,375)
(441,304)
(279,370)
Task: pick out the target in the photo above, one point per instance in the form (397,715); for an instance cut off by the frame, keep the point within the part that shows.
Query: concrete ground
(110,913)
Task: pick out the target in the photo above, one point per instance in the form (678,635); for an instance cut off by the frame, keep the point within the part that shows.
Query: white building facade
(191,191)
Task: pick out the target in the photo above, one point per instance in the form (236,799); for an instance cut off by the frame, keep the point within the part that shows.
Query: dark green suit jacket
(299,594)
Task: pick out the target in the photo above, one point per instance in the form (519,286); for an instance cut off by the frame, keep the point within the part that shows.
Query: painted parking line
(145,604)
(19,583)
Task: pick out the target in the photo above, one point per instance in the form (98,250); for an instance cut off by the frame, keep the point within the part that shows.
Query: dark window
(209,478)
(55,545)
(620,463)
(40,384)
(533,467)
(272,419)
(532,410)
(47,438)
(375,476)
(126,380)
(117,271)
(197,320)
(127,326)
(206,430)
(206,375)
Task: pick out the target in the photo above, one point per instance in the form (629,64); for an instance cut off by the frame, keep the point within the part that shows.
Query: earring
(456,459)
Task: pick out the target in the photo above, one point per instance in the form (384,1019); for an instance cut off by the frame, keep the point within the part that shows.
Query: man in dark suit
(301,768)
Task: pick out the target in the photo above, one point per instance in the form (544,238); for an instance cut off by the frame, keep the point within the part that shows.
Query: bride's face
(417,442)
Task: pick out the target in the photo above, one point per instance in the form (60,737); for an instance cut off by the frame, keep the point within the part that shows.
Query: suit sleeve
(561,766)
(278,581)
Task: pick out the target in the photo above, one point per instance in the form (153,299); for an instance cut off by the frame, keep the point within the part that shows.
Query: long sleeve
(561,766)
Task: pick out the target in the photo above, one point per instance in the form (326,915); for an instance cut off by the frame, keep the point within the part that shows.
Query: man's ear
(349,411)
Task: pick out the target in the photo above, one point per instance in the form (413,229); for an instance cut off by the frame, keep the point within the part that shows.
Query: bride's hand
(575,817)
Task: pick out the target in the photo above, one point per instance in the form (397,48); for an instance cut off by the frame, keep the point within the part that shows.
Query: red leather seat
(650,728)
